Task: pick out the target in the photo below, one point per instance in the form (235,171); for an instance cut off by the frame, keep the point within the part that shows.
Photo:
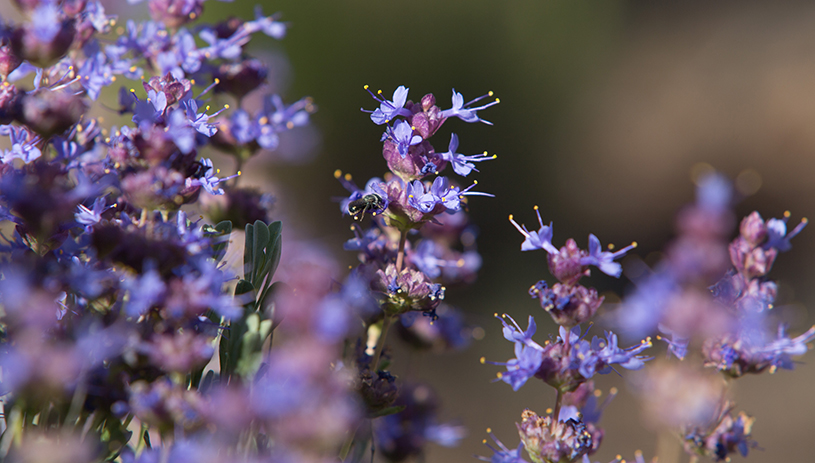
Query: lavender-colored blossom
(777,236)
(86,216)
(463,110)
(402,134)
(541,239)
(23,144)
(439,193)
(604,260)
(462,164)
(389,109)
(502,454)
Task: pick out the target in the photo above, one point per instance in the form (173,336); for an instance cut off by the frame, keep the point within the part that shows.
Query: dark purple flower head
(566,441)
(421,160)
(569,305)
(9,61)
(404,435)
(175,13)
(462,164)
(46,38)
(730,435)
(240,78)
(464,111)
(389,109)
(407,290)
(52,112)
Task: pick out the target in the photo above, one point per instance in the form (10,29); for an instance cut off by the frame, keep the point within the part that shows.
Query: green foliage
(243,338)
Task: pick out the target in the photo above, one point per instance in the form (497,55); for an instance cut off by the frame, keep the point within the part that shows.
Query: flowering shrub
(126,335)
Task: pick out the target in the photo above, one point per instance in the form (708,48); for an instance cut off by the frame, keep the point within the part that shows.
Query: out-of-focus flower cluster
(125,336)
(711,303)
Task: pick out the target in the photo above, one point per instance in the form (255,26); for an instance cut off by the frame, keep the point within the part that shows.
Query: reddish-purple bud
(28,43)
(565,265)
(174,13)
(52,112)
(241,78)
(9,61)
(753,229)
(9,103)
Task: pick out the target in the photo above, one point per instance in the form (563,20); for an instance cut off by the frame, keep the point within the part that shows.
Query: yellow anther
(263,120)
(610,246)
(240,173)
(548,410)
(482,360)
(497,100)
(499,375)
(598,393)
(489,429)
(536,207)
(634,244)
(510,216)
(489,93)
(787,214)
(226,106)
(613,391)
(337,174)
(804,220)
(365,86)
(483,441)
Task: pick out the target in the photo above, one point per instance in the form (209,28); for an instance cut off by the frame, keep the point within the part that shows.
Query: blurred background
(607,111)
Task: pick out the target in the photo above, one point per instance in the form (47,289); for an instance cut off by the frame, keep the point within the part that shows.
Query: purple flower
(91,216)
(23,144)
(527,362)
(389,109)
(502,454)
(604,260)
(402,134)
(464,112)
(777,236)
(541,239)
(462,164)
(209,180)
(440,192)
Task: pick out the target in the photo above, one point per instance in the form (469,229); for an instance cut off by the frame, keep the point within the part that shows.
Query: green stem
(400,257)
(380,343)
(346,447)
(558,402)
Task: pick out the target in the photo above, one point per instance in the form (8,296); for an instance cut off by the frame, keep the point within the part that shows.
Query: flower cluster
(407,277)
(126,335)
(568,362)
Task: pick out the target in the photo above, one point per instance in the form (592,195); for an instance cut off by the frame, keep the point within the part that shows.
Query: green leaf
(259,251)
(248,251)
(220,237)
(387,411)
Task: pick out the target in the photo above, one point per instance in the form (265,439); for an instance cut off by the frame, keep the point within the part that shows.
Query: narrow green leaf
(260,251)
(387,411)
(248,251)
